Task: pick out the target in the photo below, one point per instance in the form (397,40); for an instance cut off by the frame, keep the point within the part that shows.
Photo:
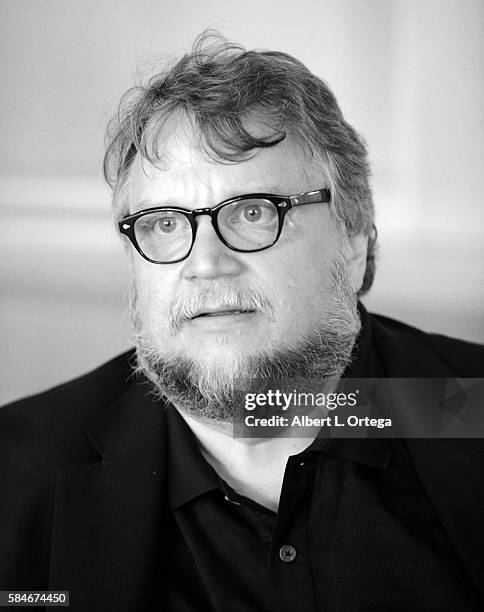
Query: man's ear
(355,252)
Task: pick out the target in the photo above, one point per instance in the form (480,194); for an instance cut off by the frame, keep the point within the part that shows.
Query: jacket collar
(129,422)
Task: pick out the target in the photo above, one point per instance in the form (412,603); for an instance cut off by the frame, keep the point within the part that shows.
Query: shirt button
(227,498)
(287,553)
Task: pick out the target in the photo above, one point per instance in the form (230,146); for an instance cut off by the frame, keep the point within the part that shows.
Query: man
(242,196)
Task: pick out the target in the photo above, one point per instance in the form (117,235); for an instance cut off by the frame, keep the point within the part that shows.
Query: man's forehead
(185,173)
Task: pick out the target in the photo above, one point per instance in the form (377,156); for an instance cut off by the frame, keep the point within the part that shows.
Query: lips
(221,313)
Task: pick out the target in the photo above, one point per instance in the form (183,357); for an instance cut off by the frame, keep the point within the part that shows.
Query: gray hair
(219,86)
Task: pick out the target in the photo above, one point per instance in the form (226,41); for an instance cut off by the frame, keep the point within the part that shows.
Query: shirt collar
(373,452)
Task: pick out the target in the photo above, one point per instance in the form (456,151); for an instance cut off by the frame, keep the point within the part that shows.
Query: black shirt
(354,531)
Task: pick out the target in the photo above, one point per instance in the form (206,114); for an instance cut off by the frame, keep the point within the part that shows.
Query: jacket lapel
(107,515)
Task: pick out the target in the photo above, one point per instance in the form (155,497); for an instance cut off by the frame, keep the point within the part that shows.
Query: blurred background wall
(409,75)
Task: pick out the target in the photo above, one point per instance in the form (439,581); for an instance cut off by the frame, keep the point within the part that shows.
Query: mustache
(183,308)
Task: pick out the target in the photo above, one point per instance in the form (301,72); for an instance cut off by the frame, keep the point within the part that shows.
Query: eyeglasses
(246,224)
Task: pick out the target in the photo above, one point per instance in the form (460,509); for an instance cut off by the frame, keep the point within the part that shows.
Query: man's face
(294,277)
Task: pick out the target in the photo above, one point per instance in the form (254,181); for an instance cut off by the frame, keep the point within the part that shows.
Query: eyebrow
(145,204)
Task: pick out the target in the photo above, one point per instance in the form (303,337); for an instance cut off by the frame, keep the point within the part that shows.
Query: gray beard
(215,394)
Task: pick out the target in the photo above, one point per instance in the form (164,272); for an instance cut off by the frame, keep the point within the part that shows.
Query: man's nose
(209,257)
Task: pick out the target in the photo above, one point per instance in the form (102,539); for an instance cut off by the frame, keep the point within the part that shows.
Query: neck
(236,460)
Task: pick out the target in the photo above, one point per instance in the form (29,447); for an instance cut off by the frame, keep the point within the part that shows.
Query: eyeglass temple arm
(311,197)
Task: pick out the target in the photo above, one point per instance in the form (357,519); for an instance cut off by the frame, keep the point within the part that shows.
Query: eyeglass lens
(246,225)
(164,236)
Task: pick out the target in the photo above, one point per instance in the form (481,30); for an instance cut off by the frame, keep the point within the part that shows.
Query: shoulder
(83,393)
(59,414)
(418,353)
(38,435)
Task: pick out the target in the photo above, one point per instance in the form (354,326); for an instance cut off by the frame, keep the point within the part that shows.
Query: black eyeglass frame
(283,204)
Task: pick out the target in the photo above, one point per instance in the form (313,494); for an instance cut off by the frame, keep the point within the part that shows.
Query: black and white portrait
(242,305)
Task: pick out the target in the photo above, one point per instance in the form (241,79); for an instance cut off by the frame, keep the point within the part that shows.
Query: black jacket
(83,476)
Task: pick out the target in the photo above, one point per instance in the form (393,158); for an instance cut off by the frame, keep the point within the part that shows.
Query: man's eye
(253,213)
(165,225)
(258,213)
(156,225)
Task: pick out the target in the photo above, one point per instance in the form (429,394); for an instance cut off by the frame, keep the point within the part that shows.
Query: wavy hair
(222,87)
